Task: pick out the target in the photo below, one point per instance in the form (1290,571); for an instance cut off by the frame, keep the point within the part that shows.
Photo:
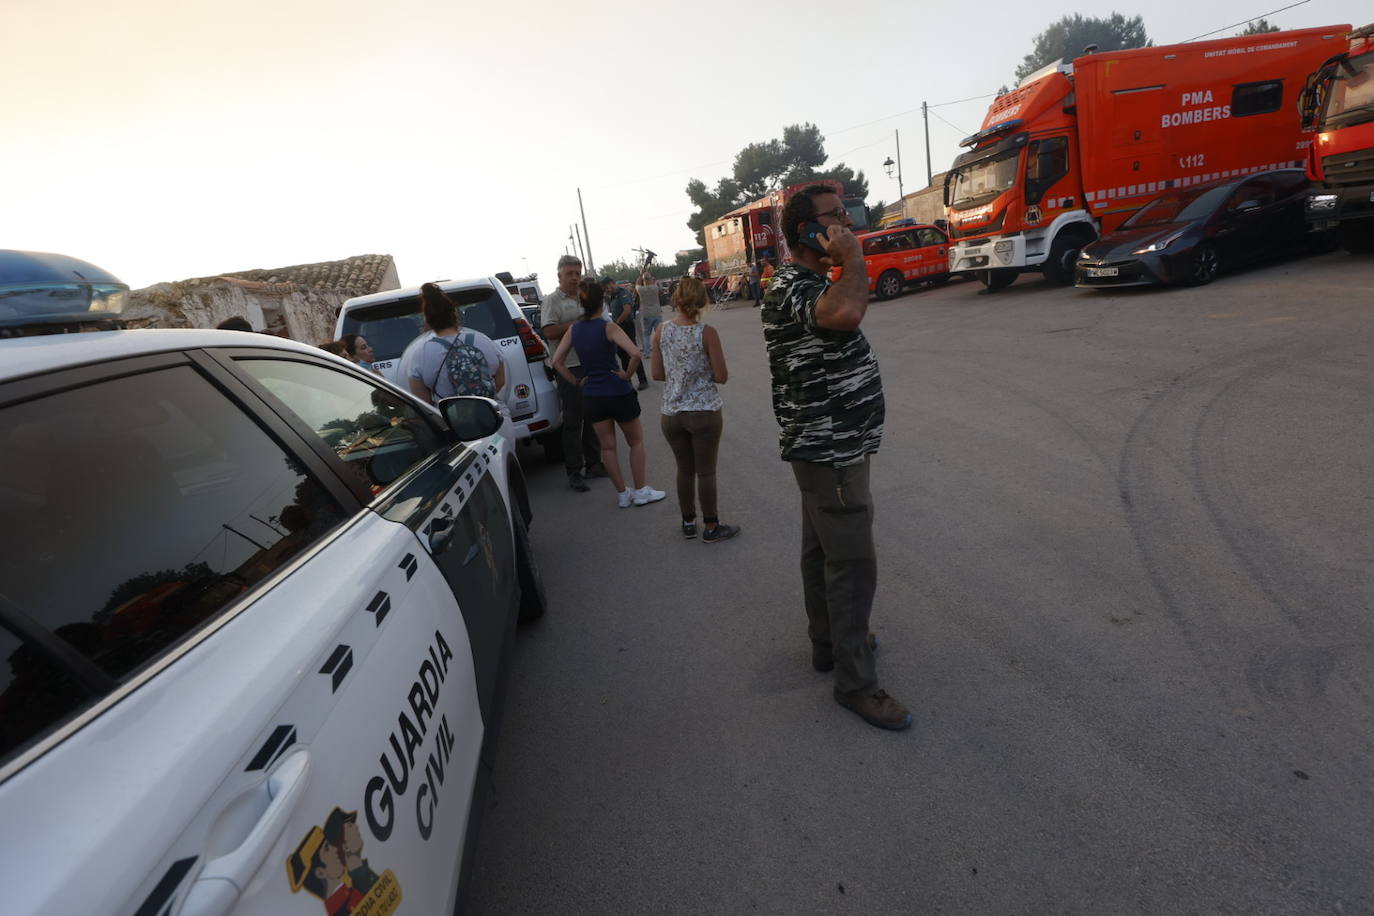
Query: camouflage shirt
(827,393)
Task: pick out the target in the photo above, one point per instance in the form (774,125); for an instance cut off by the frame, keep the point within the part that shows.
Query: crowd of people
(827,398)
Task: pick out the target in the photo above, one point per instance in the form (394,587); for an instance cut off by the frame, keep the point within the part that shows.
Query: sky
(170,139)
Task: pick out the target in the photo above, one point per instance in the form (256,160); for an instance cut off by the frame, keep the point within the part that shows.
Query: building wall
(924,206)
(286,308)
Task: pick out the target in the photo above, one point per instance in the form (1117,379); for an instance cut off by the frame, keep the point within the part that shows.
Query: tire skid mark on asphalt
(1023,393)
(1188,595)
(1277,670)
(1188,800)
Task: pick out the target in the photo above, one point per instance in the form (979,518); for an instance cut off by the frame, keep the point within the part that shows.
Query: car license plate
(1103,271)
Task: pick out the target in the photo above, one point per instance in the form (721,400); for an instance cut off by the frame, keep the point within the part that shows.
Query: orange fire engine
(1338,101)
(1076,148)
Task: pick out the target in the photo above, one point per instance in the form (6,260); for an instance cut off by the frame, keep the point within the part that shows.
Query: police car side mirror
(471,418)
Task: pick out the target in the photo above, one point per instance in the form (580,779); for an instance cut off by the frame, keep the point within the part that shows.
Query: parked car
(392,323)
(1190,235)
(256,612)
(903,257)
(525,292)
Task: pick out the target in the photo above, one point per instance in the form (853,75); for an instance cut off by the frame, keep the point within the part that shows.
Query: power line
(972,98)
(1247,21)
(955,126)
(701,168)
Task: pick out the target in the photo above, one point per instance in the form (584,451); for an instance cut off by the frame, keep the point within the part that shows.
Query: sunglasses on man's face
(837,213)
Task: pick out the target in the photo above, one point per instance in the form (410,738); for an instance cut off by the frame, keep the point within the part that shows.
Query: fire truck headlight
(1003,250)
(1322,202)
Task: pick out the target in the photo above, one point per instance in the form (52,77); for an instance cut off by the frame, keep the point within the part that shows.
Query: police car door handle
(224,879)
(440,530)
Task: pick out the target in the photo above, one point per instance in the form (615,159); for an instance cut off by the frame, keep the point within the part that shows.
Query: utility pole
(900,192)
(575,242)
(591,268)
(925,116)
(582,252)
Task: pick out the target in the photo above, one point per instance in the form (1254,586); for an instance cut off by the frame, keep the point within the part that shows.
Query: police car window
(378,434)
(148,503)
(35,693)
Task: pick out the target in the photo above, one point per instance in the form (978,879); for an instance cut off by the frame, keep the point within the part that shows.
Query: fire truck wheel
(1059,266)
(1358,237)
(1204,266)
(997,279)
(888,285)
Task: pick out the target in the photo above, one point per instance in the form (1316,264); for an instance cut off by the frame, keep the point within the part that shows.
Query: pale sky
(168,139)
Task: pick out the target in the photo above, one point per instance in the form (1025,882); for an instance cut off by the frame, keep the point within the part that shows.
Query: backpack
(467,368)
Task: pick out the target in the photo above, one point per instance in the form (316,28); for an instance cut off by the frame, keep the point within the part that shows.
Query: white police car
(254,607)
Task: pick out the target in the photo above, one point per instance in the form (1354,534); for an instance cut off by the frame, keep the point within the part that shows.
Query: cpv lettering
(403,768)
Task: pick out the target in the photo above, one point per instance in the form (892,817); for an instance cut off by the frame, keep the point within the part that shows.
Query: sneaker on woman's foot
(689,529)
(646,494)
(719,533)
(876,708)
(625,497)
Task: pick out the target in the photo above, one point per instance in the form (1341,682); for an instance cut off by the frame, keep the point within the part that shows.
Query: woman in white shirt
(688,357)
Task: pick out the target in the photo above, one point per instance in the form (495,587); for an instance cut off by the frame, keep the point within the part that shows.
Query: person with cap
(317,866)
(620,306)
(341,830)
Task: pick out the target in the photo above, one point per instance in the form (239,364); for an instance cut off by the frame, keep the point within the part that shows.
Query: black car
(1190,234)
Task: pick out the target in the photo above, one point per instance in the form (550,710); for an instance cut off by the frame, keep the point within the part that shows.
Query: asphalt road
(1126,573)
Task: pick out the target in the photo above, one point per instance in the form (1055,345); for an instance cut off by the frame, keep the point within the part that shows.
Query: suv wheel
(888,285)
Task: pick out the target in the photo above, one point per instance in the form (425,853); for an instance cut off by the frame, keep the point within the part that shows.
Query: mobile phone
(809,234)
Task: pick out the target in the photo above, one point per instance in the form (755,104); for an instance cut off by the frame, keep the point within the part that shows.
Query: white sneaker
(646,495)
(623,499)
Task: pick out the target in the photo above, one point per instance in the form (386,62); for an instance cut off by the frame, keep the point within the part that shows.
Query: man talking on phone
(828,401)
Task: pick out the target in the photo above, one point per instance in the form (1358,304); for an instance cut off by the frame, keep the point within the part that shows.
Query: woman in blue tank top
(608,397)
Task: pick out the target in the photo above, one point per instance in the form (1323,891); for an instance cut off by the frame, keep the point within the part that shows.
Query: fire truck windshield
(980,182)
(1352,91)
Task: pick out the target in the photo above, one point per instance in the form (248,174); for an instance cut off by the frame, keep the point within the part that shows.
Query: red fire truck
(1338,101)
(1076,148)
(753,232)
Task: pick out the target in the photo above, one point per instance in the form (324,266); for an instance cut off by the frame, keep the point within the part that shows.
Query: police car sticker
(329,864)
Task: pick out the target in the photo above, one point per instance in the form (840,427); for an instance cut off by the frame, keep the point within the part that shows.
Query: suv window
(931,236)
(390,326)
(378,434)
(147,504)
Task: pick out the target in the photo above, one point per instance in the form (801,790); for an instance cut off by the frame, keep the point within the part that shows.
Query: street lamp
(888,164)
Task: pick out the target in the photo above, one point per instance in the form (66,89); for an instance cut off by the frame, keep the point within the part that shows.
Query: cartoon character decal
(329,864)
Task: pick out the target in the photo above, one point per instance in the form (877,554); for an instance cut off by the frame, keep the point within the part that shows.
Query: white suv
(255,606)
(392,322)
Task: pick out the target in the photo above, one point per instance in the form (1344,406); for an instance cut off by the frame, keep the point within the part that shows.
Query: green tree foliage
(1257,27)
(1067,38)
(760,167)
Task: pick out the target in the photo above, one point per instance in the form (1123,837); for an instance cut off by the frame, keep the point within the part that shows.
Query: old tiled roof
(360,274)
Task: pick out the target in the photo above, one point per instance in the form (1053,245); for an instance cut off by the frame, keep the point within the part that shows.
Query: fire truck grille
(956,233)
(1355,167)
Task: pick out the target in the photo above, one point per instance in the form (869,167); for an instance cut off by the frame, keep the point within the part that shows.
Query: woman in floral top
(687,356)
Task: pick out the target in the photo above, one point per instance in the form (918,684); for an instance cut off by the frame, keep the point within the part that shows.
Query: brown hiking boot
(823,656)
(876,708)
